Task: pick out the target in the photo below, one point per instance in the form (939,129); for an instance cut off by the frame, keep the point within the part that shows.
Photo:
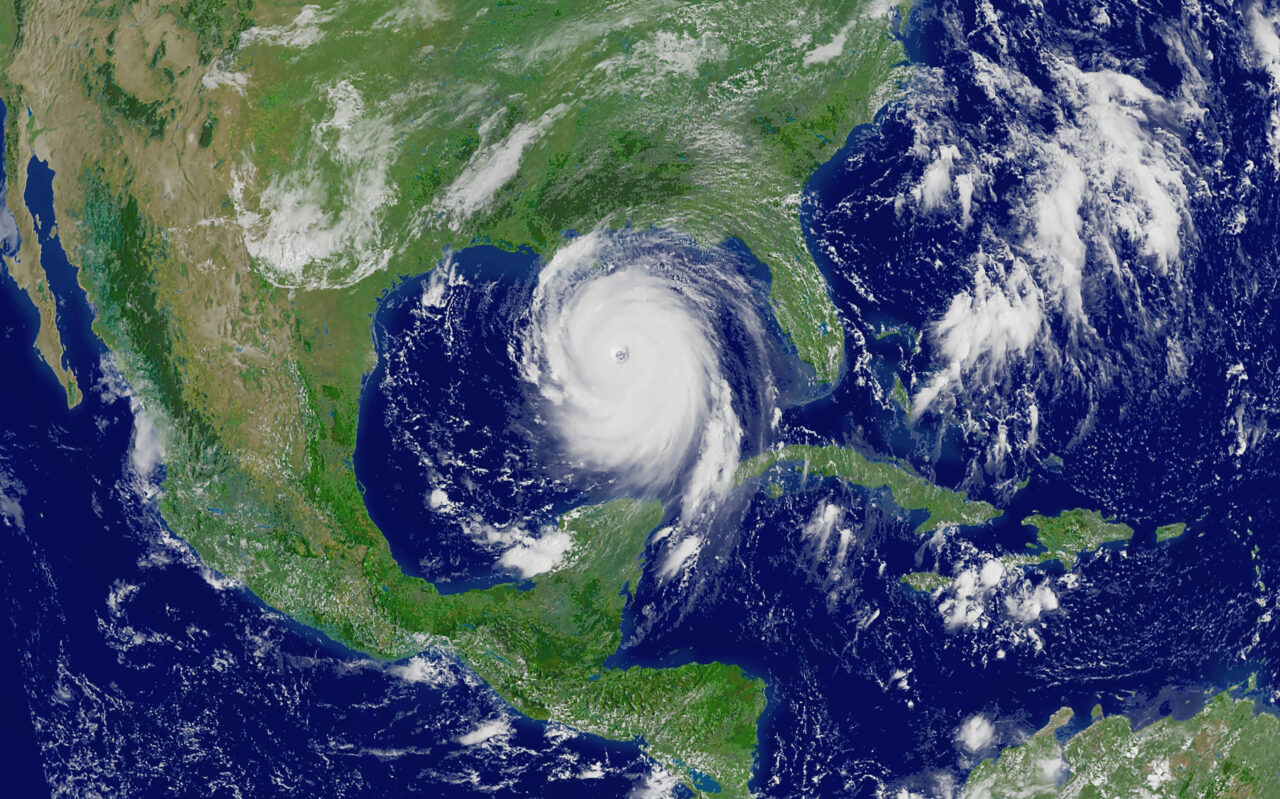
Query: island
(910,491)
(1063,538)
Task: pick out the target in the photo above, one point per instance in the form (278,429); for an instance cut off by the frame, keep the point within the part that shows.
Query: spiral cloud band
(629,345)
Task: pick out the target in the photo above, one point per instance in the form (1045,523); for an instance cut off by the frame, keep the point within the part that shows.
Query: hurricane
(511,388)
(635,344)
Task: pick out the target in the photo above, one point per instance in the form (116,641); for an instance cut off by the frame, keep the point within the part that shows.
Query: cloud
(302,32)
(681,554)
(11,492)
(497,729)
(678,54)
(1000,317)
(525,554)
(147,450)
(1110,175)
(966,605)
(490,168)
(419,669)
(1267,43)
(531,556)
(120,594)
(824,520)
(967,602)
(935,187)
(419,13)
(295,229)
(991,572)
(1052,769)
(657,784)
(1028,603)
(826,52)
(627,348)
(976,733)
(219,74)
(438,498)
(9,238)
(877,9)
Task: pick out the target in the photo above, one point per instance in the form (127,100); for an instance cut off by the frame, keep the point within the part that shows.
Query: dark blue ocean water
(1145,389)
(447,408)
(1150,396)
(1143,393)
(131,670)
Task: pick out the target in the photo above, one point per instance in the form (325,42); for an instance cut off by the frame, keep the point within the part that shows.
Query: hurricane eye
(620,354)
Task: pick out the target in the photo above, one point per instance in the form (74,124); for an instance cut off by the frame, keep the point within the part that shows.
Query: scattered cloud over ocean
(976,733)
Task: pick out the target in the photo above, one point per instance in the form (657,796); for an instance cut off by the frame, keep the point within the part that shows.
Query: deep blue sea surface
(448,411)
(1062,241)
(135,671)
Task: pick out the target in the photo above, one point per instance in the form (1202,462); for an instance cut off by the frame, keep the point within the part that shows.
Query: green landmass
(928,582)
(543,649)
(1062,538)
(13,15)
(1166,531)
(900,395)
(1065,536)
(909,490)
(1033,770)
(8,28)
(1228,749)
(241,181)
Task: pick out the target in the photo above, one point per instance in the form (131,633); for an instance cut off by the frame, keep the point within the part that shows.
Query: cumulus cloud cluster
(294,227)
(1108,179)
(147,450)
(1265,31)
(524,553)
(423,669)
(530,556)
(976,733)
(985,590)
